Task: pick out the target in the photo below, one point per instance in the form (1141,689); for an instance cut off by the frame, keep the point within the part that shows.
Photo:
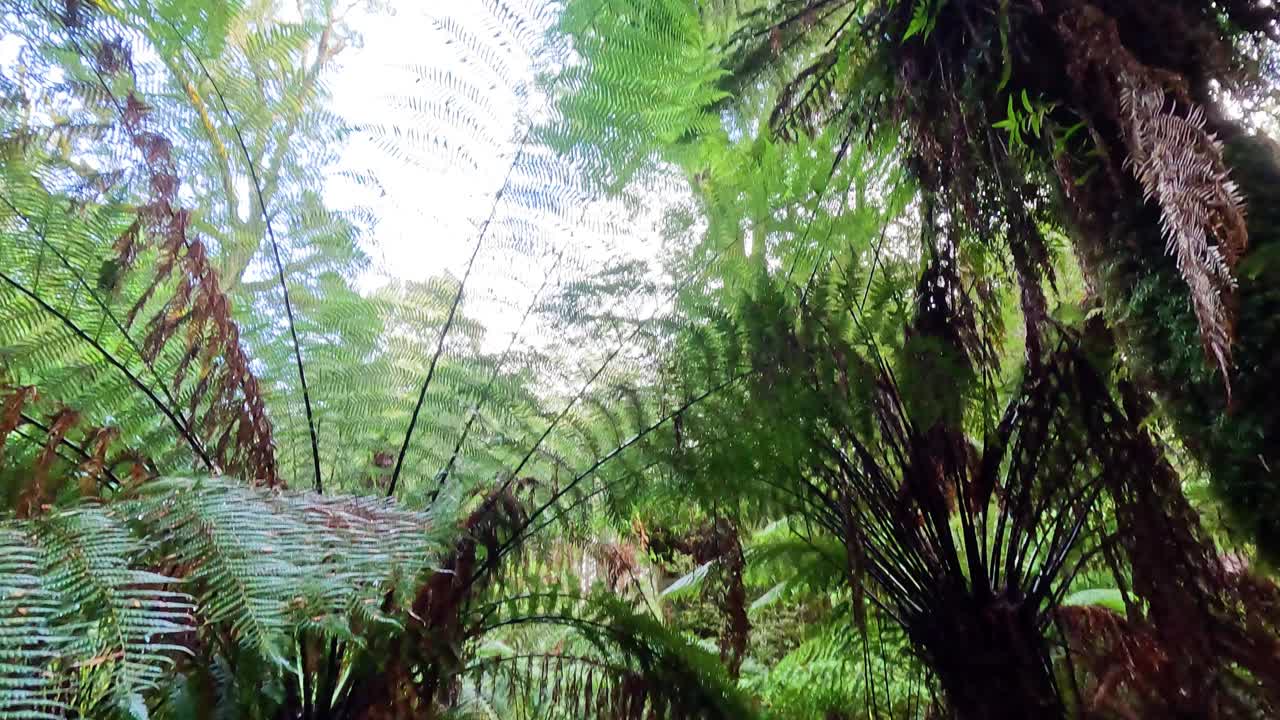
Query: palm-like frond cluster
(893,346)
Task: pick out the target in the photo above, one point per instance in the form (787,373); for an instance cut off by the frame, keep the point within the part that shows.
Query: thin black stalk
(1019,549)
(883,519)
(1042,586)
(1104,545)
(602,460)
(868,675)
(443,475)
(106,310)
(118,365)
(581,659)
(27,419)
(1030,553)
(817,205)
(795,17)
(675,292)
(528,530)
(417,409)
(453,309)
(275,254)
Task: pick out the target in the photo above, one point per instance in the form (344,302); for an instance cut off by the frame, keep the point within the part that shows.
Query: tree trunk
(991,660)
(1236,440)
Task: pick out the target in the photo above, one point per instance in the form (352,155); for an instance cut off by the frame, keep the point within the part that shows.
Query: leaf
(773,595)
(1012,125)
(688,583)
(1109,598)
(136,707)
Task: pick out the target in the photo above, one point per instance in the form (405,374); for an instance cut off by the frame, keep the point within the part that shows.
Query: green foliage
(832,430)
(245,566)
(647,92)
(924,18)
(1028,120)
(28,610)
(116,322)
(838,669)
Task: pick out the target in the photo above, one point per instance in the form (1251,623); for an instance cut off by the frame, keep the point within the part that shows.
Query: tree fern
(243,566)
(828,333)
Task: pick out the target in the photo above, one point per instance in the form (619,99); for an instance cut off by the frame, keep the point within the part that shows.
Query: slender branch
(581,659)
(519,535)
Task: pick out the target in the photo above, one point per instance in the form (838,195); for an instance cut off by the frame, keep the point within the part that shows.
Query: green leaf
(921,19)
(136,707)
(688,583)
(1109,598)
(773,595)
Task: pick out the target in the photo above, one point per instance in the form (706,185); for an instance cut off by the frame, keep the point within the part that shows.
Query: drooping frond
(130,620)
(110,596)
(1180,166)
(322,561)
(628,663)
(118,283)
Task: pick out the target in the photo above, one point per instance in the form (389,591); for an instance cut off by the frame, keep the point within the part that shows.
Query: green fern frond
(130,619)
(32,645)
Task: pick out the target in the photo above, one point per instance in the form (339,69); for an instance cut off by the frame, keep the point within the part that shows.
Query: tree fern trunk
(1236,440)
(991,660)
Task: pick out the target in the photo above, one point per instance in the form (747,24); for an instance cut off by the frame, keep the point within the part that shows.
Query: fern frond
(319,558)
(1180,167)
(131,620)
(32,645)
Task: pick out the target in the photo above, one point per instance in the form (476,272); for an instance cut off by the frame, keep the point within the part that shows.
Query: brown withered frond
(1180,166)
(1177,162)
(56,446)
(226,398)
(157,319)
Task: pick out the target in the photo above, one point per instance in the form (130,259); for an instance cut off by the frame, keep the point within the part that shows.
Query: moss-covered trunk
(1236,439)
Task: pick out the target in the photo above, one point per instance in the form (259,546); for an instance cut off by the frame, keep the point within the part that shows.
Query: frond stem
(106,310)
(275,255)
(453,311)
(118,365)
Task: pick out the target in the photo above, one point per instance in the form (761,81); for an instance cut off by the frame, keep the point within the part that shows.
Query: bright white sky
(429,217)
(428,211)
